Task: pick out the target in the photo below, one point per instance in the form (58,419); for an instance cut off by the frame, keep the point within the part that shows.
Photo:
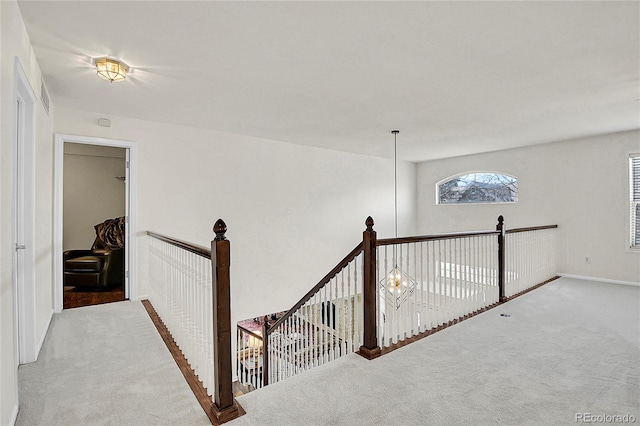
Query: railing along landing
(180,291)
(324,325)
(390,292)
(531,256)
(429,281)
(186,283)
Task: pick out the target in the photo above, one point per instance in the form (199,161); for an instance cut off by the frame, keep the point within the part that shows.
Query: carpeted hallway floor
(105,365)
(569,348)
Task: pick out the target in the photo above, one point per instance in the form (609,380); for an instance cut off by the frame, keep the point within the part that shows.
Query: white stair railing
(387,292)
(249,358)
(180,291)
(189,290)
(427,282)
(531,257)
(324,325)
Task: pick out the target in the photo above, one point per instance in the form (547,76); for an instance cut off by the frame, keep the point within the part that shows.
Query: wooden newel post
(265,351)
(501,265)
(370,348)
(224,407)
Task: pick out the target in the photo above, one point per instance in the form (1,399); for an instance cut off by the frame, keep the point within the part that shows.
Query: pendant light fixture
(395,179)
(397,282)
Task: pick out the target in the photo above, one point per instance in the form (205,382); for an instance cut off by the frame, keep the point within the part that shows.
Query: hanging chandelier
(397,282)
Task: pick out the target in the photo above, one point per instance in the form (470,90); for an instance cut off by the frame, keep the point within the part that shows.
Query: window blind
(635,199)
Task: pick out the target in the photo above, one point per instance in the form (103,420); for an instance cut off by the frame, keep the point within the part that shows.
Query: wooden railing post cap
(369,222)
(500,222)
(220,228)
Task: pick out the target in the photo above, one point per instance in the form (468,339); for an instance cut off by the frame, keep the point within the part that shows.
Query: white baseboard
(603,280)
(44,334)
(140,297)
(14,415)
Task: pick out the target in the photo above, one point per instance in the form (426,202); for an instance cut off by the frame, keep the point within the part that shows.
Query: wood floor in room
(76,299)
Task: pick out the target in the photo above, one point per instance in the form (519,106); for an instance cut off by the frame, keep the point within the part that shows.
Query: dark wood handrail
(531,228)
(257,336)
(420,238)
(224,407)
(199,250)
(370,348)
(344,262)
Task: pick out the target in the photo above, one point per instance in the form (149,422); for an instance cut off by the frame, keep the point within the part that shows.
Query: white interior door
(19,222)
(127,180)
(24,218)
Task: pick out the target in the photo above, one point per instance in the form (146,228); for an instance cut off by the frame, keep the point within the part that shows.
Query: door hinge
(20,247)
(127,164)
(126,274)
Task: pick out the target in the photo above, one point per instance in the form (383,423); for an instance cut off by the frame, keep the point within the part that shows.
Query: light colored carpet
(569,347)
(102,365)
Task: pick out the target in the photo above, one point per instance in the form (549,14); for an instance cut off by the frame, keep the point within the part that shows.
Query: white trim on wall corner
(603,280)
(14,414)
(43,335)
(58,184)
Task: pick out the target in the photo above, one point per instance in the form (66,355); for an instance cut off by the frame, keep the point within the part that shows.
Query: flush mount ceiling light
(111,69)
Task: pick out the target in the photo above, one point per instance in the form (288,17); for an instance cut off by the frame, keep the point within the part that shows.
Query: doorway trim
(24,198)
(131,287)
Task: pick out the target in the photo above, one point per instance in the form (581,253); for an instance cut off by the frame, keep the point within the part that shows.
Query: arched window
(478,187)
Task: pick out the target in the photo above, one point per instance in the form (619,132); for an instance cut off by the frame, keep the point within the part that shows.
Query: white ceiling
(455,77)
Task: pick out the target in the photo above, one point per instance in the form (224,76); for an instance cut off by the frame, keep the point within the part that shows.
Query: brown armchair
(102,267)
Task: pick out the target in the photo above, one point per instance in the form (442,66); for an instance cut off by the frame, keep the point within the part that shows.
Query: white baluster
(316,330)
(308,331)
(330,321)
(428,288)
(387,315)
(343,316)
(325,344)
(358,300)
(473,268)
(419,286)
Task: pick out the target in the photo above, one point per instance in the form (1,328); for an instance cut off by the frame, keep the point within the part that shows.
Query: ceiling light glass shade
(111,69)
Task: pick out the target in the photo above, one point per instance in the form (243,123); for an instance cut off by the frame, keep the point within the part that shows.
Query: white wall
(91,192)
(14,42)
(292,211)
(582,185)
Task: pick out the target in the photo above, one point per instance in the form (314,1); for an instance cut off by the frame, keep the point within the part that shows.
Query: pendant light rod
(395,177)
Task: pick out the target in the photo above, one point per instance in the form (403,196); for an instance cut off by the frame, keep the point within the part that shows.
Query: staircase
(384,294)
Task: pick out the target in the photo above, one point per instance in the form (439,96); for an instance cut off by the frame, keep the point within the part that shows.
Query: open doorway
(94,179)
(94,224)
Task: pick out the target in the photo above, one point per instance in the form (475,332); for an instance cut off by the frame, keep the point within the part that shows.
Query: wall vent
(44,95)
